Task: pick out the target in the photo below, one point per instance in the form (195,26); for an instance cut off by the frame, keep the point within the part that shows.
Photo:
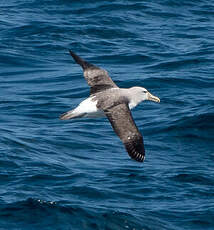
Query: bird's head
(143,94)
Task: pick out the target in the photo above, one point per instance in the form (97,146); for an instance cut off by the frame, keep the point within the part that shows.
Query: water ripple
(77,174)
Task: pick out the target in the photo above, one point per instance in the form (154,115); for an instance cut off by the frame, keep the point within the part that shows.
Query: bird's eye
(145,91)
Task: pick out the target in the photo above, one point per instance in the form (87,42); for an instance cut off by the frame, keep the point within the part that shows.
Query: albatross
(108,100)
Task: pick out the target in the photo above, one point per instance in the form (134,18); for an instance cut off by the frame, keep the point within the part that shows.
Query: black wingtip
(136,151)
(84,64)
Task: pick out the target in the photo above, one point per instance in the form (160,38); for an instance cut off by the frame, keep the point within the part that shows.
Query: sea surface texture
(76,175)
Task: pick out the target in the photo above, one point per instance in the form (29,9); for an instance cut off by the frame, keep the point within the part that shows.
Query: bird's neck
(134,102)
(133,99)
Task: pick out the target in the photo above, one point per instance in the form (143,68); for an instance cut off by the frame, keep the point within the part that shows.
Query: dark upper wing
(97,78)
(124,126)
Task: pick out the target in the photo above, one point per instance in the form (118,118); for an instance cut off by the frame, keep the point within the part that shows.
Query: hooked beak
(153,98)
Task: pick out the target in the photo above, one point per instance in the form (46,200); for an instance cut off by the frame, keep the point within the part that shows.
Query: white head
(139,94)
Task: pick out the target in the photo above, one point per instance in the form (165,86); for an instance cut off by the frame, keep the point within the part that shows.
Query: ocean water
(76,175)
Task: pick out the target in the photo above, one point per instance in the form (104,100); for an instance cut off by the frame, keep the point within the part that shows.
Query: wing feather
(124,126)
(97,78)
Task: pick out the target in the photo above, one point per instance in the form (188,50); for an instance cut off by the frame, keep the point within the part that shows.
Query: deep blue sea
(76,175)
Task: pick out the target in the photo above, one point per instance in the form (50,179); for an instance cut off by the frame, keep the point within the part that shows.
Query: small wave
(192,178)
(201,121)
(197,126)
(174,65)
(40,214)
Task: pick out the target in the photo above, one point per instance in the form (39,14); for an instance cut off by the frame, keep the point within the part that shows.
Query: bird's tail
(71,115)
(84,64)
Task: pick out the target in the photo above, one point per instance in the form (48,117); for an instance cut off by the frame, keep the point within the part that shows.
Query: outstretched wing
(124,126)
(97,78)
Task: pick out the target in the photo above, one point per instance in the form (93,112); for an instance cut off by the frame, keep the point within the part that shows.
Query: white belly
(89,108)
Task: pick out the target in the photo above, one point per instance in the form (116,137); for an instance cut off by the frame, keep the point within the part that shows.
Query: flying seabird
(107,99)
